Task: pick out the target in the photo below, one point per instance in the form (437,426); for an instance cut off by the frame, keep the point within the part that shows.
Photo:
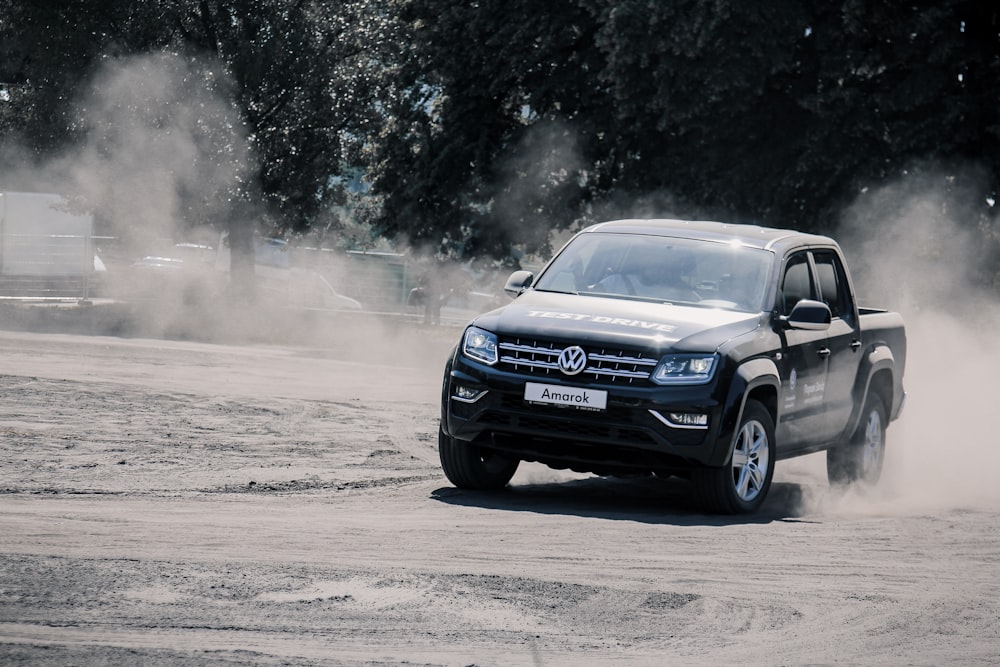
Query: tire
(860,459)
(740,486)
(469,466)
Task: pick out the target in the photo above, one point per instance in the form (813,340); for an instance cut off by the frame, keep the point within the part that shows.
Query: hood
(580,319)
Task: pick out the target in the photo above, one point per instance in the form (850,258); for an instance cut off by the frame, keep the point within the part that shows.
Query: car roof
(767,238)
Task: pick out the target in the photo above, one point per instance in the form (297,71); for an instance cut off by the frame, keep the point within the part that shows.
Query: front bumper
(633,433)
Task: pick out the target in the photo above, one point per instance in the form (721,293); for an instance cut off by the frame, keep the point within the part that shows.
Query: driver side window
(797,283)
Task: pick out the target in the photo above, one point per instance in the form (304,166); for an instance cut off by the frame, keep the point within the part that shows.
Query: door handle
(823,352)
(855,345)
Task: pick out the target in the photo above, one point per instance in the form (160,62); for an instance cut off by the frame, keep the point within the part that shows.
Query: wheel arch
(756,379)
(876,374)
(881,385)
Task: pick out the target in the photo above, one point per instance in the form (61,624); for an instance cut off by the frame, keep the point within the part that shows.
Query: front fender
(445,389)
(749,379)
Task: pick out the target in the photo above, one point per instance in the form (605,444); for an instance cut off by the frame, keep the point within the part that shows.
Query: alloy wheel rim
(873,442)
(750,461)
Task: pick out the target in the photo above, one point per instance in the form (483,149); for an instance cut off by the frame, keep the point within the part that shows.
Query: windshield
(661,269)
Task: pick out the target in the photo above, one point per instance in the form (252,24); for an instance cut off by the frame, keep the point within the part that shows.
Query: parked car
(299,288)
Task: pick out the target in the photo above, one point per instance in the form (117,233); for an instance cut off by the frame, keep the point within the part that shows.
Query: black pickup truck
(667,347)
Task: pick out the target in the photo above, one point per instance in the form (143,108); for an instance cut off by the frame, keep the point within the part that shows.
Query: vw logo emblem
(572,360)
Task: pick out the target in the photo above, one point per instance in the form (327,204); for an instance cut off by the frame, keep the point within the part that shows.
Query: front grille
(604,364)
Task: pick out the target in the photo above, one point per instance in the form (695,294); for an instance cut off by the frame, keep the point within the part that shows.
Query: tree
(303,74)
(781,112)
(778,113)
(482,148)
(44,65)
(482,126)
(267,96)
(705,103)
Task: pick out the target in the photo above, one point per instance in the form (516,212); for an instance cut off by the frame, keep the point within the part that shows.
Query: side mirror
(518,282)
(809,315)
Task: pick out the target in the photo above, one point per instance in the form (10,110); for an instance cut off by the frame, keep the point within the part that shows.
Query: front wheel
(860,459)
(469,466)
(741,486)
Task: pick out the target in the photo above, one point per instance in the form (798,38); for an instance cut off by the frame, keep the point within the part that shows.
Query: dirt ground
(184,503)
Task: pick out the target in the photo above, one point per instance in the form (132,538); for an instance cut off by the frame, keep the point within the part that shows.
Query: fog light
(682,419)
(468,394)
(689,419)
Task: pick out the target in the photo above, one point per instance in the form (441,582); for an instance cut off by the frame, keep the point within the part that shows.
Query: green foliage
(523,118)
(482,126)
(709,92)
(483,150)
(297,77)
(48,51)
(303,76)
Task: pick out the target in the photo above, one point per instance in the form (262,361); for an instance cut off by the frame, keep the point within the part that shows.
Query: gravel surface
(183,503)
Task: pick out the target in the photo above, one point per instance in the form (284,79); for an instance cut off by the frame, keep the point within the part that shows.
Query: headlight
(685,369)
(480,345)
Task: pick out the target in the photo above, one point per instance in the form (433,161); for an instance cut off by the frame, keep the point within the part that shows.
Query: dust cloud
(158,152)
(921,247)
(145,159)
(538,180)
(164,161)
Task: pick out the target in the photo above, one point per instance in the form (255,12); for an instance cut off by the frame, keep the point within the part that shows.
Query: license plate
(572,397)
